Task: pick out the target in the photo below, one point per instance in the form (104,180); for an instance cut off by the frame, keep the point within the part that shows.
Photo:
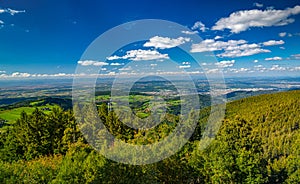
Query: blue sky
(48,38)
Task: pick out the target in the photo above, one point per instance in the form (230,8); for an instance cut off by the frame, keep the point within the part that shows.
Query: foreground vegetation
(259,142)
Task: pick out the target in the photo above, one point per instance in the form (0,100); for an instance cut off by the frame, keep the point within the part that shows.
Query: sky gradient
(248,38)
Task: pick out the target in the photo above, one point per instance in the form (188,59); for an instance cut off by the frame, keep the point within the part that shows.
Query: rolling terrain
(258,142)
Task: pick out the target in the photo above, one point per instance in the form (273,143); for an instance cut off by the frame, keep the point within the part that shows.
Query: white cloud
(297,68)
(243,20)
(115,57)
(116,64)
(92,63)
(141,55)
(282,34)
(111,73)
(274,59)
(225,64)
(258,66)
(273,42)
(215,70)
(296,56)
(241,53)
(218,37)
(200,26)
(194,72)
(238,70)
(165,42)
(60,75)
(210,45)
(259,5)
(189,32)
(184,66)
(153,64)
(243,69)
(255,61)
(2,71)
(242,47)
(186,63)
(21,75)
(277,68)
(205,64)
(270,8)
(1,22)
(11,11)
(231,48)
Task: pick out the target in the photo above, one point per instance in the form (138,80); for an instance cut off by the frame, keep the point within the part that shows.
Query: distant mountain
(236,95)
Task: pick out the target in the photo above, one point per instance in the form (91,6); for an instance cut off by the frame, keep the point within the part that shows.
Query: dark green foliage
(258,142)
(39,134)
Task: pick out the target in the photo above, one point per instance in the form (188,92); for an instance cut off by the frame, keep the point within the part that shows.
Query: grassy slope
(13,114)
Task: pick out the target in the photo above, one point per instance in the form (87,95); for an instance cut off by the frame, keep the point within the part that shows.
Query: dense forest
(258,142)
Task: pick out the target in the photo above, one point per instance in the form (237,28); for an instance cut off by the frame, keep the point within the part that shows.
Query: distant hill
(259,141)
(65,103)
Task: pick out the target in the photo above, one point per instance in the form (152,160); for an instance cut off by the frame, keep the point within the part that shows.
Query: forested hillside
(258,142)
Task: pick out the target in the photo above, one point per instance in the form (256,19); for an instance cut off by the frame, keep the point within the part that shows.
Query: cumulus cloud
(255,61)
(92,63)
(225,64)
(258,5)
(184,66)
(241,53)
(243,20)
(199,26)
(274,59)
(21,75)
(258,66)
(215,70)
(231,48)
(116,64)
(282,34)
(210,45)
(218,37)
(273,42)
(165,42)
(277,68)
(189,32)
(238,70)
(141,55)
